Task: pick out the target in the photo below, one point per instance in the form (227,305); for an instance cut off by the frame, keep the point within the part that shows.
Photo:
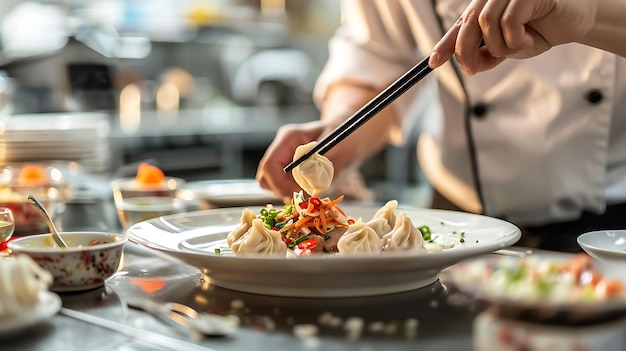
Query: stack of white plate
(79,137)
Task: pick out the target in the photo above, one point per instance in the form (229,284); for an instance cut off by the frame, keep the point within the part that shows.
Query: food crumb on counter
(237,304)
(328,319)
(458,299)
(376,326)
(354,327)
(391,328)
(308,334)
(268,323)
(305,330)
(410,328)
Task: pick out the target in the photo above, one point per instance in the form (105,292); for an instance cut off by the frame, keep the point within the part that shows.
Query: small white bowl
(83,265)
(605,245)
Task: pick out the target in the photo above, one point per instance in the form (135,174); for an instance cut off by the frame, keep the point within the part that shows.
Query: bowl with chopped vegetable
(547,286)
(17,181)
(89,259)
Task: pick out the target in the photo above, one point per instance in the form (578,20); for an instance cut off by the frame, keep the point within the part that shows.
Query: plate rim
(48,305)
(512,236)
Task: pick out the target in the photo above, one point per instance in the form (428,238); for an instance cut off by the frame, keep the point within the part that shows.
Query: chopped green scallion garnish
(426,233)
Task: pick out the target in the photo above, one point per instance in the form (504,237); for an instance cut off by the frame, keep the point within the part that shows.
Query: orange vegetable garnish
(31,175)
(149,174)
(149,285)
(322,220)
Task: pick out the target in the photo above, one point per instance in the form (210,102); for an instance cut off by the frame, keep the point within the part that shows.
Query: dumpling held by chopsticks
(315,174)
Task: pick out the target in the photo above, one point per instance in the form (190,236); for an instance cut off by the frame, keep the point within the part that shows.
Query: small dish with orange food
(46,182)
(147,195)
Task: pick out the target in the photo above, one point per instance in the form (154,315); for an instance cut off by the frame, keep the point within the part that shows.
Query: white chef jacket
(541,139)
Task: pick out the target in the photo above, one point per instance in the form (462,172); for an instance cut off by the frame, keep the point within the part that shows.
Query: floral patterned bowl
(89,259)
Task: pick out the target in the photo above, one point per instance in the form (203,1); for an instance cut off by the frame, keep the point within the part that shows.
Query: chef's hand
(512,29)
(340,103)
(279,154)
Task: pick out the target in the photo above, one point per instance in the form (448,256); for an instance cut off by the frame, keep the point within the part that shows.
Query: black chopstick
(379,102)
(369,110)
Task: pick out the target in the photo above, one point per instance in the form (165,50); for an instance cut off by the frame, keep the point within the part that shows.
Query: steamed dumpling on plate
(359,239)
(384,219)
(404,236)
(246,222)
(315,174)
(260,240)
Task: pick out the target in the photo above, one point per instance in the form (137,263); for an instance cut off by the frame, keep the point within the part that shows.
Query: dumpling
(21,281)
(359,239)
(388,212)
(380,225)
(315,174)
(384,219)
(404,236)
(246,222)
(260,240)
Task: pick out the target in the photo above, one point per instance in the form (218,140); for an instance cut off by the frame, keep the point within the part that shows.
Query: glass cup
(137,209)
(7,224)
(136,202)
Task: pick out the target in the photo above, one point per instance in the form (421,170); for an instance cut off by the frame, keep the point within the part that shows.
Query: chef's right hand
(513,29)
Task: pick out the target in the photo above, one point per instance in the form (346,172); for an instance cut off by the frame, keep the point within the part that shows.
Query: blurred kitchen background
(199,87)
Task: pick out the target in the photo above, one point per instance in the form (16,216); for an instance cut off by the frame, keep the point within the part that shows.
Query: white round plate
(474,277)
(608,245)
(231,192)
(192,238)
(49,304)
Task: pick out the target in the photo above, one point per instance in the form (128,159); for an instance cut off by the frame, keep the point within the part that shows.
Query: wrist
(608,31)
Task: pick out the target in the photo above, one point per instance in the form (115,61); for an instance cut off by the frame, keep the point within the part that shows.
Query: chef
(539,142)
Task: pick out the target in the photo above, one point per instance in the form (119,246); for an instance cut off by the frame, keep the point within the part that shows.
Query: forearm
(609,31)
(341,101)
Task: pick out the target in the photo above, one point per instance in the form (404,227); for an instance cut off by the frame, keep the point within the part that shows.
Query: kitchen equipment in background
(274,77)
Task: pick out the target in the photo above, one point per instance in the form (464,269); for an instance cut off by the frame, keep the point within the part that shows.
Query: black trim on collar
(467,118)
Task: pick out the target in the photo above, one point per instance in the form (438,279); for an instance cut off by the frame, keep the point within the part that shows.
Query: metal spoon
(53,230)
(202,323)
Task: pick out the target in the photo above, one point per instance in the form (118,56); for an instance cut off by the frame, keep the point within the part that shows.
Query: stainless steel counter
(433,318)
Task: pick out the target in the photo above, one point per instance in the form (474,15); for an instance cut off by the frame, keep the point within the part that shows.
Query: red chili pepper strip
(307,245)
(304,205)
(3,245)
(316,202)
